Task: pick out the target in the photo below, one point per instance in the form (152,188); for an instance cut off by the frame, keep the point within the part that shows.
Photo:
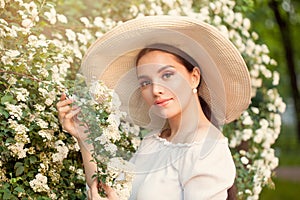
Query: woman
(182,79)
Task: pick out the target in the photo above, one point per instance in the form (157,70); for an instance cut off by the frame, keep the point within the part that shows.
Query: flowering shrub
(41,51)
(114,139)
(37,159)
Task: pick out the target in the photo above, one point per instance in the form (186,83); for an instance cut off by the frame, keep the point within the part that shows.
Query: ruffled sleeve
(208,176)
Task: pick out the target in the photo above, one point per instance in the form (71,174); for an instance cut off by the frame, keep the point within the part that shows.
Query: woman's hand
(94,195)
(67,115)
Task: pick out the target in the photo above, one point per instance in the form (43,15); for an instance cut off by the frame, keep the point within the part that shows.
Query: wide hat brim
(225,86)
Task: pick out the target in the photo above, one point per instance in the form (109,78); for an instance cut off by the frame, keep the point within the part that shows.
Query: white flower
(39,107)
(267,73)
(49,102)
(134,10)
(259,134)
(217,20)
(271,107)
(18,150)
(277,120)
(102,139)
(273,62)
(255,110)
(63,68)
(244,160)
(229,18)
(233,142)
(112,133)
(265,49)
(256,82)
(246,23)
(254,35)
(70,35)
(39,184)
(80,174)
(20,129)
(72,168)
(264,123)
(170,3)
(62,151)
(85,21)
(16,111)
(43,72)
(62,18)
(41,123)
(247,120)
(280,104)
(47,134)
(238,19)
(43,91)
(247,134)
(12,80)
(82,38)
(12,53)
(275,78)
(98,21)
(22,94)
(27,23)
(51,16)
(111,148)
(224,30)
(136,142)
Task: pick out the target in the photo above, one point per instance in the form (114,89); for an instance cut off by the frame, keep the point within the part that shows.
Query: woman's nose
(157,89)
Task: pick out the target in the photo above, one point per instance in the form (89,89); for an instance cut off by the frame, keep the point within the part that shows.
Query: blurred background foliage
(287,146)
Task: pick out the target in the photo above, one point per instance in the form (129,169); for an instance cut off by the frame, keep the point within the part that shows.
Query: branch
(20,74)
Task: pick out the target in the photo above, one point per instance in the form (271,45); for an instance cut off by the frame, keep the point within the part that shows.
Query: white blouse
(190,171)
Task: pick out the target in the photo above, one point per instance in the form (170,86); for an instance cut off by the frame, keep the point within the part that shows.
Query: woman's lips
(162,102)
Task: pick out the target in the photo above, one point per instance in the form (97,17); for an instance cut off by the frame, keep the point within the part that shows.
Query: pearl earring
(195,90)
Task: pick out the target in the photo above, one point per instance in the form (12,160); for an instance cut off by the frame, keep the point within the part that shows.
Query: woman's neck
(186,126)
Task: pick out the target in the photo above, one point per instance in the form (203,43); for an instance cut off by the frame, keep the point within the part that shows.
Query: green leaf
(7,194)
(19,167)
(7,98)
(18,164)
(3,112)
(19,170)
(19,189)
(32,159)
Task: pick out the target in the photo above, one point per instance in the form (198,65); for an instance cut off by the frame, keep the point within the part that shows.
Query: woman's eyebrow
(142,76)
(165,67)
(158,71)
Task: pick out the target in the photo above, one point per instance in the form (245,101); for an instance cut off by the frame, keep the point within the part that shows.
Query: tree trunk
(289,56)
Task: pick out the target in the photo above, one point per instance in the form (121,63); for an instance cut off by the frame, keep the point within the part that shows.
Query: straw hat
(225,83)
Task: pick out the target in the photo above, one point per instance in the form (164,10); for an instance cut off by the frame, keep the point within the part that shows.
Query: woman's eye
(167,75)
(145,83)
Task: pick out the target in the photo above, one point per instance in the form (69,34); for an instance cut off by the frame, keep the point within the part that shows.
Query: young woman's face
(165,83)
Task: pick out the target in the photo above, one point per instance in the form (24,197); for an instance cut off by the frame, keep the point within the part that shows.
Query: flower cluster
(36,156)
(41,50)
(113,138)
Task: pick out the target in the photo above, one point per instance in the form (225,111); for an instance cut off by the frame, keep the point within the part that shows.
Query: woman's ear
(196,77)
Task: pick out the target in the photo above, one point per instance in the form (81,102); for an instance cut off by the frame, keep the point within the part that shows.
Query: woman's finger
(72,113)
(63,96)
(62,111)
(64,102)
